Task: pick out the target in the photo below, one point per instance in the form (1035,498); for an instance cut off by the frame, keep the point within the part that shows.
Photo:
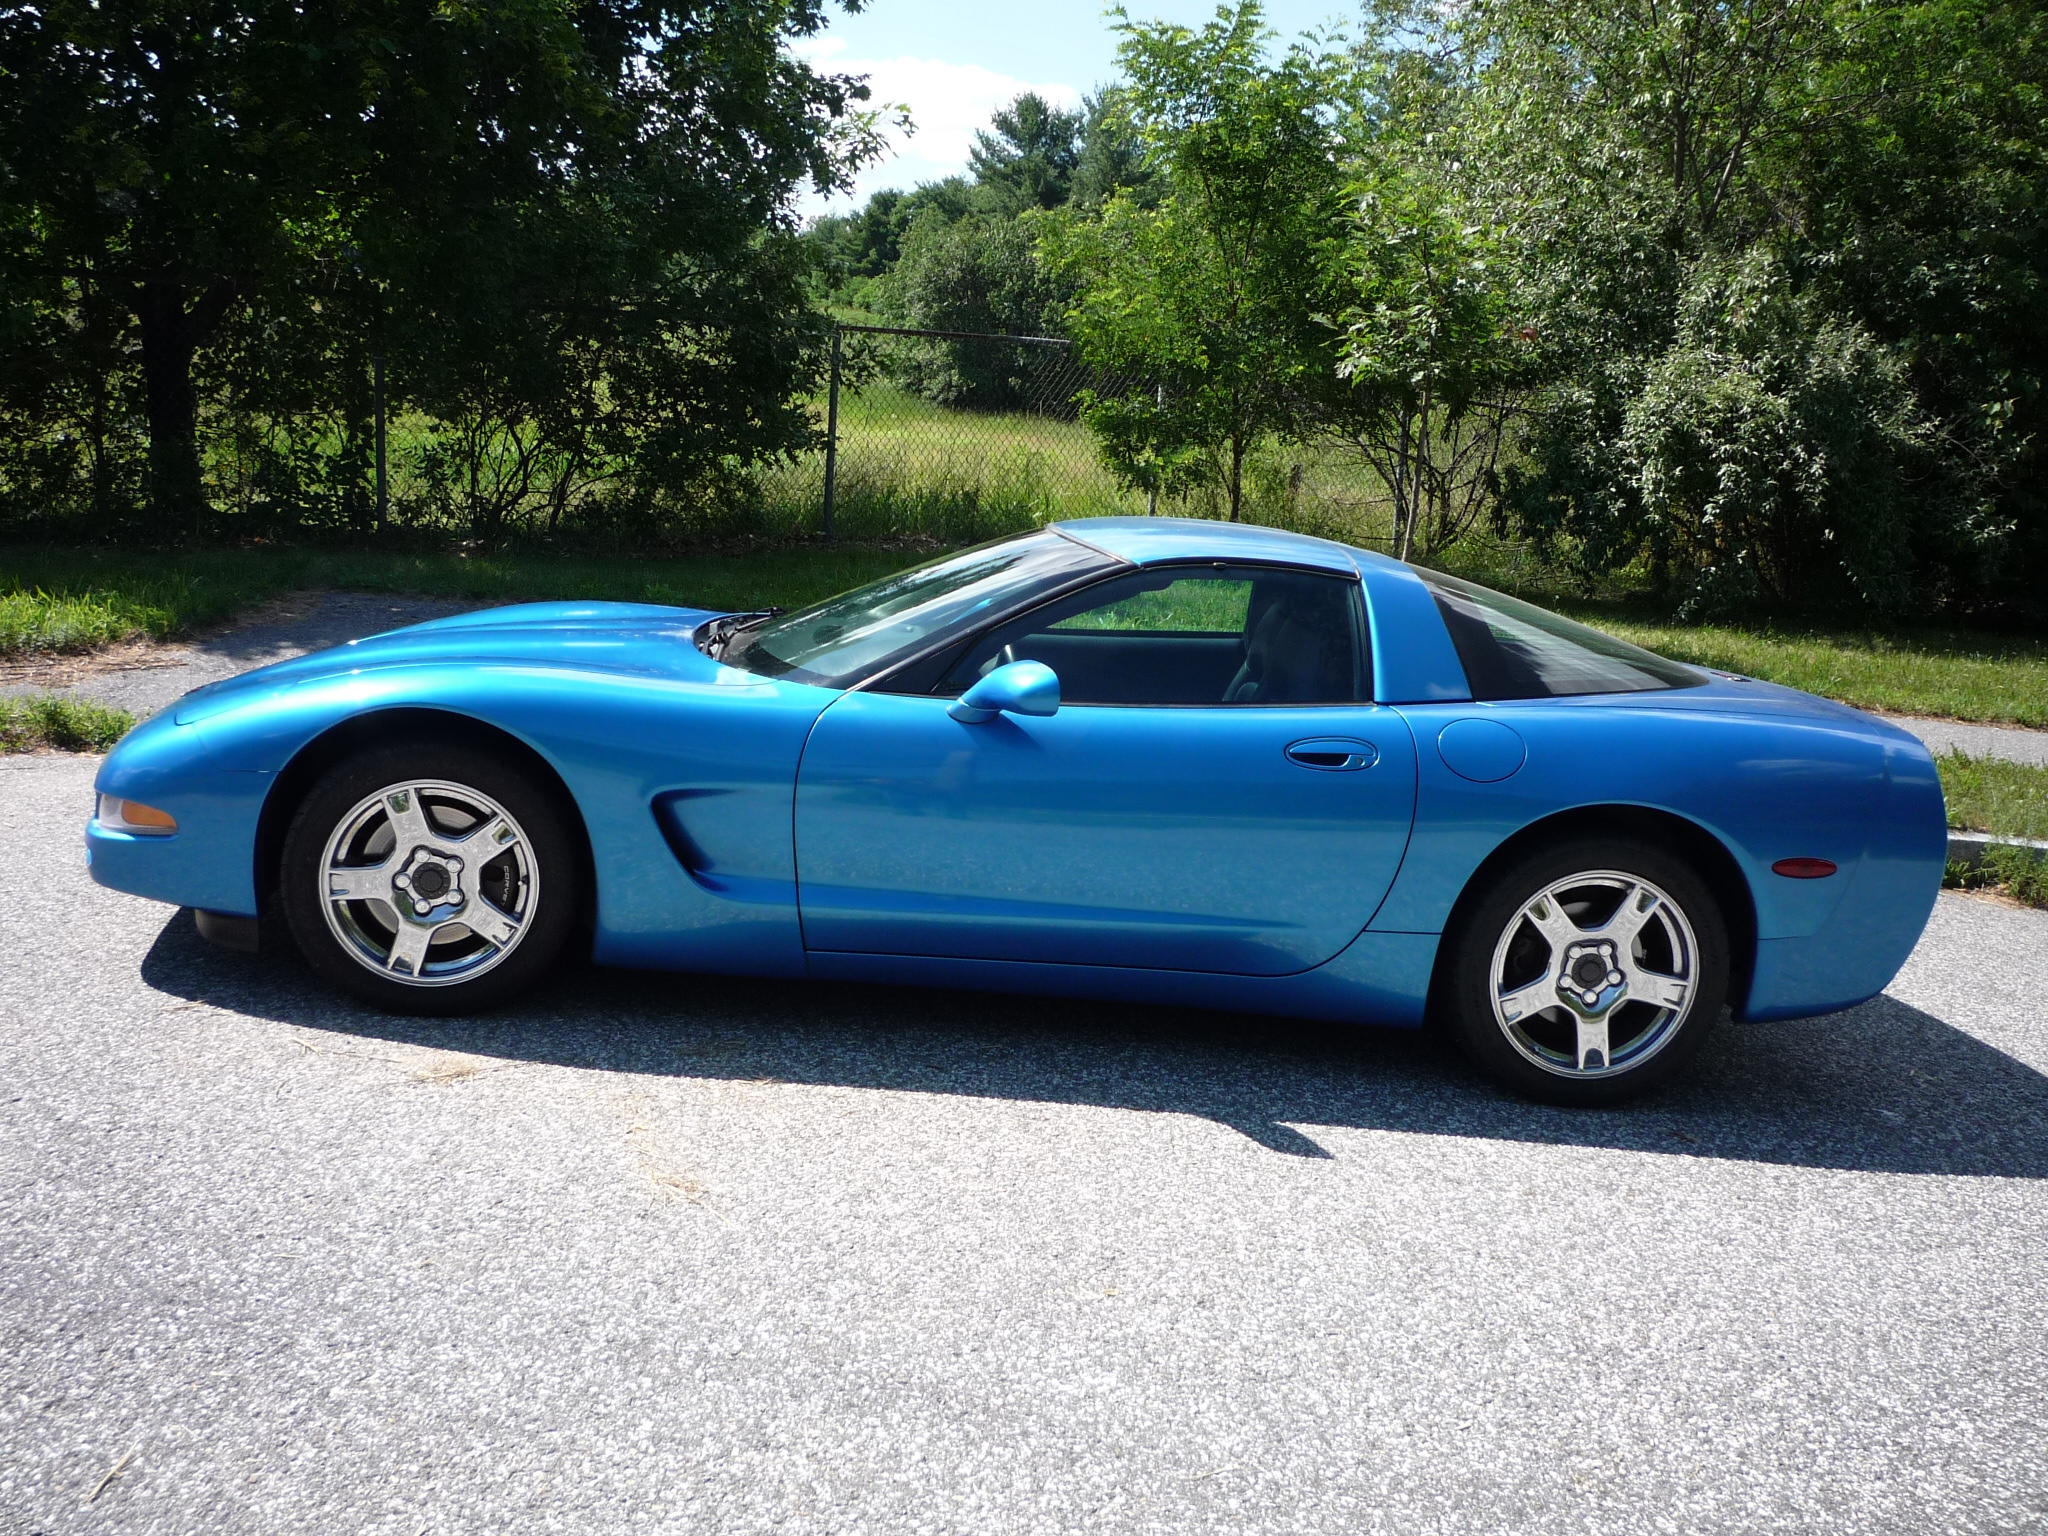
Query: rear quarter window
(1515,650)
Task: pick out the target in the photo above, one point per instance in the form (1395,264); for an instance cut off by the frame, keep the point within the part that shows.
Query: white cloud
(947,103)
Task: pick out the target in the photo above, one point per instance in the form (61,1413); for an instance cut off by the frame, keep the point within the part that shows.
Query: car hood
(641,638)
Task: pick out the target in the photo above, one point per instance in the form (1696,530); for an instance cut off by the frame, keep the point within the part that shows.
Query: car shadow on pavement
(1881,1088)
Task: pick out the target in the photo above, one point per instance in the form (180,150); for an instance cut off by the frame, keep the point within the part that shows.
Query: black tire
(1546,1053)
(533,873)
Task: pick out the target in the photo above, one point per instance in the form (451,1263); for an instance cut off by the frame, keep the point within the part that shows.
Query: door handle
(1333,754)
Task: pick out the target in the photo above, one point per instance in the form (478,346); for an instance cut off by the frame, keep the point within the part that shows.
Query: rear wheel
(429,879)
(1588,972)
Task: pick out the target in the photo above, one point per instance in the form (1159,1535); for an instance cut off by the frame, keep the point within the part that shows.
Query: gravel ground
(660,1253)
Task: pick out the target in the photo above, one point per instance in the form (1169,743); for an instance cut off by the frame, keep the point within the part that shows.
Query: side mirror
(1021,688)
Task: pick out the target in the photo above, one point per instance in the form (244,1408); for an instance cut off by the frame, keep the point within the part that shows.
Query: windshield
(1515,650)
(854,635)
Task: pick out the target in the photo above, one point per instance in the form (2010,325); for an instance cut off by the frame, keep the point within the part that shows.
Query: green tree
(864,243)
(1432,361)
(868,242)
(517,199)
(1775,442)
(1027,155)
(619,306)
(979,274)
(1208,301)
(1874,170)
(157,164)
(1916,208)
(1427,381)
(1111,158)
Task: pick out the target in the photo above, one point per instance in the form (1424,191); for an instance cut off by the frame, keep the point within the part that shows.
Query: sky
(953,62)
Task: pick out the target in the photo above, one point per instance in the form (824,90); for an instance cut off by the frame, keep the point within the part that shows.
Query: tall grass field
(908,467)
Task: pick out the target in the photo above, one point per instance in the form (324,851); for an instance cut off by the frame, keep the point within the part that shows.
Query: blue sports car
(1127,758)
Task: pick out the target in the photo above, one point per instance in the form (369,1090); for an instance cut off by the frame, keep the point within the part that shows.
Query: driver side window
(1189,635)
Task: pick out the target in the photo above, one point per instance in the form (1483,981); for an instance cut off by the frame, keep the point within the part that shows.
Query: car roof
(1154,540)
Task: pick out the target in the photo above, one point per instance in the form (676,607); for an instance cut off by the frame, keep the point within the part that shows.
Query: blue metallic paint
(686,774)
(1021,688)
(1175,838)
(1413,660)
(1484,751)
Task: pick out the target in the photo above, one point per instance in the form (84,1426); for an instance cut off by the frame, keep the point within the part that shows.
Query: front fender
(209,861)
(620,742)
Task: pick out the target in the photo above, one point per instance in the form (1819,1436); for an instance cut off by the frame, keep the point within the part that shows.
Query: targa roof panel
(1157,540)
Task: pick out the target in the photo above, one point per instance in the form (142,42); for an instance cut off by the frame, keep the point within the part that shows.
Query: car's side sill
(1379,979)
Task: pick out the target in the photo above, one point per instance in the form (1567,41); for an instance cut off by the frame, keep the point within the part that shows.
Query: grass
(1952,673)
(2012,872)
(61,599)
(75,600)
(1988,794)
(46,720)
(908,466)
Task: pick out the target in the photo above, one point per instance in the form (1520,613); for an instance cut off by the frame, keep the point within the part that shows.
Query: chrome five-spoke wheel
(1595,974)
(432,876)
(428,883)
(1585,971)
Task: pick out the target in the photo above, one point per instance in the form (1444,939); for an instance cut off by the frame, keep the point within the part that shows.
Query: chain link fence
(935,437)
(958,436)
(948,435)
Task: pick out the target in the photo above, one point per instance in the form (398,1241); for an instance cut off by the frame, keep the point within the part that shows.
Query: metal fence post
(832,434)
(1152,490)
(383,485)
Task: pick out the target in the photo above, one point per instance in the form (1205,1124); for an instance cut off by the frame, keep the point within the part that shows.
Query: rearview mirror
(1021,688)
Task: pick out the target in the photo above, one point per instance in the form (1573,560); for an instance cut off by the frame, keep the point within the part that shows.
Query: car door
(1215,793)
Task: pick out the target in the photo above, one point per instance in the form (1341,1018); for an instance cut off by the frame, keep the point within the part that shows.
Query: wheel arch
(1700,848)
(360,732)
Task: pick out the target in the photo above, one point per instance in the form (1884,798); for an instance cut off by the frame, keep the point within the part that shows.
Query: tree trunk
(97,369)
(357,448)
(1236,475)
(1403,488)
(170,337)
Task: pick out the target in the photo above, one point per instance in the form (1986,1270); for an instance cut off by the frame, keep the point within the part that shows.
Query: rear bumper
(1882,911)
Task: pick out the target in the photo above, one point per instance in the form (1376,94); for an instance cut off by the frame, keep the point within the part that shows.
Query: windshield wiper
(723,630)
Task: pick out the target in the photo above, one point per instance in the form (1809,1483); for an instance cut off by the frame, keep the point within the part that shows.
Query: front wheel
(429,879)
(1588,972)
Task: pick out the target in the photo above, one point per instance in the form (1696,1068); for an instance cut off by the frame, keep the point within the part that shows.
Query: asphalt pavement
(668,1253)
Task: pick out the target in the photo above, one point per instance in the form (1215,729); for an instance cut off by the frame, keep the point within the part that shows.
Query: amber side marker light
(133,817)
(1804,869)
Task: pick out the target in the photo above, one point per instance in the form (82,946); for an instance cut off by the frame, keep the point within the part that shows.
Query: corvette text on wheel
(1141,759)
